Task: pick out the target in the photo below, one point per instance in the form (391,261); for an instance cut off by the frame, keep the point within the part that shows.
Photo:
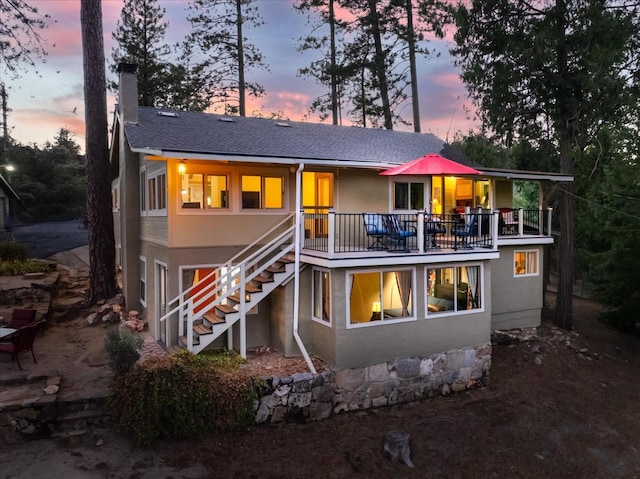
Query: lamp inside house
(182,167)
(375,311)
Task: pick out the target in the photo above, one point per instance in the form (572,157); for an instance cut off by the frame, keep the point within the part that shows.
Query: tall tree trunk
(100,218)
(334,80)
(411,40)
(241,88)
(380,65)
(564,303)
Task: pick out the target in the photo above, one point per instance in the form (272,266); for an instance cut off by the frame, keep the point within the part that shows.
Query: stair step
(288,258)
(274,268)
(202,329)
(249,288)
(213,318)
(236,298)
(183,339)
(226,309)
(262,279)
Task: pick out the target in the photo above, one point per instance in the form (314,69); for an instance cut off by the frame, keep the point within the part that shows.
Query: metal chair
(463,236)
(21,342)
(375,229)
(22,317)
(397,234)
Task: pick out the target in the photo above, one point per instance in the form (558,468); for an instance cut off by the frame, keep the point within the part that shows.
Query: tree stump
(396,445)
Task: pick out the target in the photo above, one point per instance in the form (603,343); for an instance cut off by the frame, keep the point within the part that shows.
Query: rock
(538,361)
(92,319)
(396,446)
(535,348)
(51,389)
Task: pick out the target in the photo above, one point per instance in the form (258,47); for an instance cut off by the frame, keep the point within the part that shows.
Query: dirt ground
(564,405)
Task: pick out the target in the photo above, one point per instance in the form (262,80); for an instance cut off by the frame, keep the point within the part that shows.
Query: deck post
(549,216)
(331,240)
(494,230)
(520,221)
(420,231)
(243,313)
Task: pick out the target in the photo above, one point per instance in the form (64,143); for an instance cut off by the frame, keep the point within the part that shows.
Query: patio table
(4,332)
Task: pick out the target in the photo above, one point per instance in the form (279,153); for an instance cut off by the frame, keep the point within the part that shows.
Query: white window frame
(263,190)
(453,312)
(526,252)
(315,318)
(159,192)
(115,198)
(426,185)
(381,322)
(143,281)
(142,178)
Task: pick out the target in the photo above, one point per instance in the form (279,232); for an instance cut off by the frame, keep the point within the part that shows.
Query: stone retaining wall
(305,396)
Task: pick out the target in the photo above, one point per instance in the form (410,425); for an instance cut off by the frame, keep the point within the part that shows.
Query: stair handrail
(181,297)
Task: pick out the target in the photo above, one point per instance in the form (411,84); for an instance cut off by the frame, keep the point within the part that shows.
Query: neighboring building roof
(6,187)
(197,134)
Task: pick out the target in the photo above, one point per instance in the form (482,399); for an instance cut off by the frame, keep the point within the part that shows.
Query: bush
(12,251)
(182,396)
(17,268)
(123,347)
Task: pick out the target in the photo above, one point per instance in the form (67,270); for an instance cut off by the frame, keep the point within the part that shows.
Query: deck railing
(346,232)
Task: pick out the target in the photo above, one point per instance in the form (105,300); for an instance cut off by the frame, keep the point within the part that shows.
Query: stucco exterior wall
(516,301)
(366,192)
(383,341)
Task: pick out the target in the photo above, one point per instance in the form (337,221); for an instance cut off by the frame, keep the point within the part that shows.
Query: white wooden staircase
(210,308)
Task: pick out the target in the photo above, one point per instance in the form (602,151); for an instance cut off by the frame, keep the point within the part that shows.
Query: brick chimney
(128,92)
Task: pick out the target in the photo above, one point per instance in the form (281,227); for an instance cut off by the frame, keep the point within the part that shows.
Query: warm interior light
(182,168)
(375,308)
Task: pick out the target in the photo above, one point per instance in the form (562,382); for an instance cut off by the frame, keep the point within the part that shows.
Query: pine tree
(218,31)
(140,34)
(20,37)
(102,256)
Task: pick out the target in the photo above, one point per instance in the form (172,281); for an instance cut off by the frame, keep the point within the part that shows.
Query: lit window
(194,187)
(262,192)
(380,296)
(525,263)
(454,288)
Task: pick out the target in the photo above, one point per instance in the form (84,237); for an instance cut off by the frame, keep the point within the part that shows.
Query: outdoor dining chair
(375,229)
(397,234)
(463,236)
(22,317)
(21,342)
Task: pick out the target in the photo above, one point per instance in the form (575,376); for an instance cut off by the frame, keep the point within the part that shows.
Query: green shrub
(12,251)
(123,347)
(18,268)
(182,396)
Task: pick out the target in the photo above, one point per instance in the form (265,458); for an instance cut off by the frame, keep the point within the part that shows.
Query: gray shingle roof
(203,133)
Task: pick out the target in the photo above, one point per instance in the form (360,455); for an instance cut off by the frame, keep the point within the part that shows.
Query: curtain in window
(474,285)
(532,263)
(403,280)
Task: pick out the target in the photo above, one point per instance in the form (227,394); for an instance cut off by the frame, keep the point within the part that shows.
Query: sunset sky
(41,103)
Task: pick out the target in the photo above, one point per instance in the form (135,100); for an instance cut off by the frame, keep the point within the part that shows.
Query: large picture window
(380,296)
(525,263)
(262,192)
(321,296)
(454,288)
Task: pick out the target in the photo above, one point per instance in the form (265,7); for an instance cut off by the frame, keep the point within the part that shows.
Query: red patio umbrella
(431,164)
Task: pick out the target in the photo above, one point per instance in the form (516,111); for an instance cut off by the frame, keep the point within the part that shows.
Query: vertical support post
(520,221)
(549,216)
(331,243)
(494,230)
(420,232)
(243,312)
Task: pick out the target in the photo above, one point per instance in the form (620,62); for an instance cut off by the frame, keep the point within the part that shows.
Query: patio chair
(432,228)
(463,236)
(397,234)
(508,224)
(375,229)
(21,342)
(22,317)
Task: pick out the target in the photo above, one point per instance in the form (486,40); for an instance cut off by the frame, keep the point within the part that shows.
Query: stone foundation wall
(305,396)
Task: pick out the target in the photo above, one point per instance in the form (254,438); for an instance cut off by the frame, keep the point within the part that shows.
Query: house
(243,232)
(7,193)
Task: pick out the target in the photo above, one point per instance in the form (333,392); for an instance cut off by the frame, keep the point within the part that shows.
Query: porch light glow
(375,308)
(182,168)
